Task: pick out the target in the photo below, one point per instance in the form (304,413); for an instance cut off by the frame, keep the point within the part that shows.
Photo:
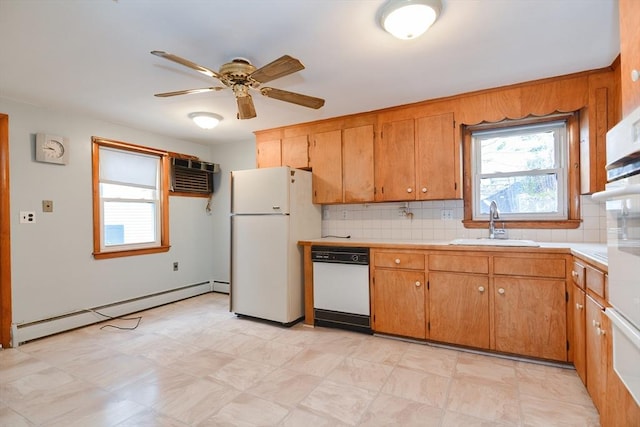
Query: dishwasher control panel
(340,255)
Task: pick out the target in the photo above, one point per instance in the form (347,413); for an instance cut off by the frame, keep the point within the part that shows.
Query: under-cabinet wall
(424,221)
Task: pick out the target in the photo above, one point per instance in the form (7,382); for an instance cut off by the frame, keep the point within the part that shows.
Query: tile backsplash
(430,221)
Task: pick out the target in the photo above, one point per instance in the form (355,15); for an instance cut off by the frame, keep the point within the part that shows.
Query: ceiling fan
(240,76)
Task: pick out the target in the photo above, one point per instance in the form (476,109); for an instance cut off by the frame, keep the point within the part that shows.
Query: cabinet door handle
(635,75)
(481,288)
(424,189)
(397,261)
(579,306)
(417,284)
(409,190)
(501,291)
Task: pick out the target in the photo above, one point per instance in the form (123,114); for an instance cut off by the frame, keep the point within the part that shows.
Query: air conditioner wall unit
(192,176)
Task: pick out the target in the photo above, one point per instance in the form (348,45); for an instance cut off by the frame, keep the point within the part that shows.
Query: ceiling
(92,56)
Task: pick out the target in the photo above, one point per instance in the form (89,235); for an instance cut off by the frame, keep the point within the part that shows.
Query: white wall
(53,271)
(235,156)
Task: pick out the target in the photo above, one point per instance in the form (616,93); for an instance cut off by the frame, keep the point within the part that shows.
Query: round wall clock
(51,149)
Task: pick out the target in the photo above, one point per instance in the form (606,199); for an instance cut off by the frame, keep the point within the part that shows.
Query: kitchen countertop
(595,253)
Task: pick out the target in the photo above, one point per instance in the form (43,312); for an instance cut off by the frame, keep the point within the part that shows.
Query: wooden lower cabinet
(398,301)
(596,336)
(459,309)
(530,317)
(577,309)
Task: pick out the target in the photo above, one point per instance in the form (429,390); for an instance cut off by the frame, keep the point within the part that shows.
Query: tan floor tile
(488,368)
(361,373)
(273,353)
(418,386)
(249,411)
(434,360)
(150,418)
(547,382)
(15,364)
(241,373)
(342,402)
(9,417)
(300,417)
(454,419)
(485,400)
(202,363)
(388,411)
(548,413)
(285,387)
(381,350)
(195,401)
(105,412)
(314,362)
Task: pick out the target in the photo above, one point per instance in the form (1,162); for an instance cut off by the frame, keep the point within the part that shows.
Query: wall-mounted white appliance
(622,196)
(271,210)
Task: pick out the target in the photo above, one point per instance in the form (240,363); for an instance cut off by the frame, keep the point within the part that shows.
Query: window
(130,199)
(524,167)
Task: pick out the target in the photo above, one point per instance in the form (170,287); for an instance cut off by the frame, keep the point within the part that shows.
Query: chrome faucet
(493,215)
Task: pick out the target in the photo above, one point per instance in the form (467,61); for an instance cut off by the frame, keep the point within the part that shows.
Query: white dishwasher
(341,287)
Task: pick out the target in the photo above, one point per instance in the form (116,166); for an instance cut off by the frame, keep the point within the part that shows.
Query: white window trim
(561,160)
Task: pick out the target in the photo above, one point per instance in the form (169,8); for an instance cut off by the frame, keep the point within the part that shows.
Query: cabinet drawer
(459,263)
(409,260)
(578,274)
(534,267)
(595,281)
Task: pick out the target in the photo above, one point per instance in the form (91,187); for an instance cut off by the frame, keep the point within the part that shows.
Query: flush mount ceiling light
(408,19)
(205,120)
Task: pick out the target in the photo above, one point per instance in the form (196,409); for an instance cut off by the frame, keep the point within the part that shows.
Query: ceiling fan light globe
(205,120)
(408,19)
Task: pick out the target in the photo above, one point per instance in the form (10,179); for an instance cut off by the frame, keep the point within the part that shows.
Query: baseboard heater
(28,331)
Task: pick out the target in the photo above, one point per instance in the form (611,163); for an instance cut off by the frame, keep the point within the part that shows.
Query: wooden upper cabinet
(357,164)
(268,153)
(629,12)
(395,161)
(295,152)
(437,171)
(326,164)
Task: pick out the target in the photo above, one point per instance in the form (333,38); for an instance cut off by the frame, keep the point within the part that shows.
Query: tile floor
(192,363)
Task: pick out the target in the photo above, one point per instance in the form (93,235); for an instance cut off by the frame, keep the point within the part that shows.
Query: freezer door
(260,191)
(265,274)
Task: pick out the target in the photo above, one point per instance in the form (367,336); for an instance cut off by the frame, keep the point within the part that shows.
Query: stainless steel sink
(494,242)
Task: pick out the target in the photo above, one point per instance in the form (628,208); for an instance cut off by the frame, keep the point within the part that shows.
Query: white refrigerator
(271,210)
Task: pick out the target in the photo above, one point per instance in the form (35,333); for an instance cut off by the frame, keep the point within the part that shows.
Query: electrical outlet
(344,214)
(446,214)
(27,217)
(175,266)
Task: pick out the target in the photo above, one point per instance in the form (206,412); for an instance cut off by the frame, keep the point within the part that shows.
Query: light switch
(47,206)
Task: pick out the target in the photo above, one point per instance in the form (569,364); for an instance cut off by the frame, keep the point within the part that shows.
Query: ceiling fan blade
(246,109)
(281,67)
(199,68)
(189,91)
(295,98)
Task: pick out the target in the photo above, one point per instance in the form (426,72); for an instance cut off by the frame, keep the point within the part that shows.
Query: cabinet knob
(635,75)
(501,291)
(595,324)
(579,306)
(417,284)
(424,189)
(574,274)
(409,190)
(481,288)
(397,261)
(601,331)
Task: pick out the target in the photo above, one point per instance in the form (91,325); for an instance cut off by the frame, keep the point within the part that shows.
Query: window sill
(566,224)
(132,252)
